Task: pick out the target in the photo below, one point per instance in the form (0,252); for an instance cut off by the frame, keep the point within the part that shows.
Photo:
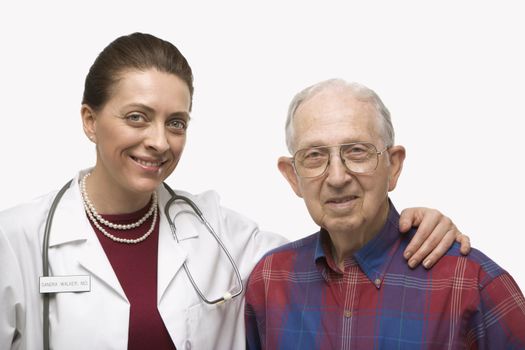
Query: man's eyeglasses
(358,157)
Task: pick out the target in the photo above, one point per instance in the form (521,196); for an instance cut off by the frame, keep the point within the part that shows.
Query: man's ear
(286,167)
(397,156)
(89,122)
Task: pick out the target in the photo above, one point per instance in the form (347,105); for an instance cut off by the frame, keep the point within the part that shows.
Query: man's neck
(346,244)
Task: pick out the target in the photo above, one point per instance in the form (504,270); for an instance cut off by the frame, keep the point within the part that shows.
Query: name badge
(65,284)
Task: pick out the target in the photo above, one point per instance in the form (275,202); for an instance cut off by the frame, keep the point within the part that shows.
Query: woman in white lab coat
(119,280)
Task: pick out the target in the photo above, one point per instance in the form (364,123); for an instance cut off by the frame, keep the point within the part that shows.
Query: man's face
(339,200)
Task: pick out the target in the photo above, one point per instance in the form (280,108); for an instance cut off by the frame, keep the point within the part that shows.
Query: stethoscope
(174,197)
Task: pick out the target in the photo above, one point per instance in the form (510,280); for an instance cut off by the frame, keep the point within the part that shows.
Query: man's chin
(341,225)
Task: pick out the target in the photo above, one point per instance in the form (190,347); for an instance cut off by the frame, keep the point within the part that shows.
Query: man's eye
(313,155)
(357,150)
(313,158)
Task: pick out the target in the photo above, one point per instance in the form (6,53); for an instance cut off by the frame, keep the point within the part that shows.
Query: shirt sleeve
(501,320)
(11,292)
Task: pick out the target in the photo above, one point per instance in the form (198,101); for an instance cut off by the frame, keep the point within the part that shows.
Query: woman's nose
(157,138)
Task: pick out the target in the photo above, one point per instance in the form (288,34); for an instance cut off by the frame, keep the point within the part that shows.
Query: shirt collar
(375,256)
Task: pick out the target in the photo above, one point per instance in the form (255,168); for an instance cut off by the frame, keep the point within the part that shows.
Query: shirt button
(348,313)
(377,282)
(188,345)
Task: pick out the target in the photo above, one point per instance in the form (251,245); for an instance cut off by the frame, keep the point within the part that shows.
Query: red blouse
(136,268)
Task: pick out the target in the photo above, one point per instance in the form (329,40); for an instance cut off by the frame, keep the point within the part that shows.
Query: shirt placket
(351,296)
(346,292)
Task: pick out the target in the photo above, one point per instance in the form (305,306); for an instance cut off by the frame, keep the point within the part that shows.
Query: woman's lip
(148,164)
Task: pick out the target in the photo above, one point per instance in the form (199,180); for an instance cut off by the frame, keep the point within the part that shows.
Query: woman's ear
(286,167)
(89,122)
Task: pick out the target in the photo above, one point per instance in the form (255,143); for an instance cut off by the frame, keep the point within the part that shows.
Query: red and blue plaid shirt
(298,299)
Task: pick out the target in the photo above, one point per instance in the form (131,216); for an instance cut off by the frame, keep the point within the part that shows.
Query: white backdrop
(452,74)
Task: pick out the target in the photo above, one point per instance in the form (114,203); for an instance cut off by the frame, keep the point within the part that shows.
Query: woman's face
(140,132)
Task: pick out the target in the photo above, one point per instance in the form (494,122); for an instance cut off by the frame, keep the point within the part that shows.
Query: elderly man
(347,287)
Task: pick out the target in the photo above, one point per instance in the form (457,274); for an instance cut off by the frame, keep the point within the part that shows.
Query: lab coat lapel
(72,235)
(94,259)
(171,254)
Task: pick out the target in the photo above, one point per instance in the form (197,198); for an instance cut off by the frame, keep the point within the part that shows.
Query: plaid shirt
(298,299)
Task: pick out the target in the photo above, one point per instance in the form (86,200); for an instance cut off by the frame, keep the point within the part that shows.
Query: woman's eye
(177,124)
(135,117)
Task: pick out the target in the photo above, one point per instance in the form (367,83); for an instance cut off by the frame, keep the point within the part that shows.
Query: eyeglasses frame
(377,154)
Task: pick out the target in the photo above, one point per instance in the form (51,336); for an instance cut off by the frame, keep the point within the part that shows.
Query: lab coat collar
(70,212)
(70,222)
(71,225)
(171,255)
(72,232)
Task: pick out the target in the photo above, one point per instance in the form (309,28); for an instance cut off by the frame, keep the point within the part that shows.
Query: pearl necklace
(95,217)
(92,209)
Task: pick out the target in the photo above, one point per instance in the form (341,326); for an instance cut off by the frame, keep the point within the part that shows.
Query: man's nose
(337,172)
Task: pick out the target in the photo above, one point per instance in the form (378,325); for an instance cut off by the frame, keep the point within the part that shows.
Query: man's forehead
(331,117)
(333,109)
(347,129)
(332,100)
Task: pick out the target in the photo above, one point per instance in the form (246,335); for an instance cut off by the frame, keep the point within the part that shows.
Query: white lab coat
(99,319)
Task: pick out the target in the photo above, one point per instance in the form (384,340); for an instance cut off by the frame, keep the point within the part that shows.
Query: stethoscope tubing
(205,222)
(45,261)
(174,197)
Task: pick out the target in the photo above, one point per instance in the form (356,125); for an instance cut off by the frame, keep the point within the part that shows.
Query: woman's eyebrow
(152,110)
(183,114)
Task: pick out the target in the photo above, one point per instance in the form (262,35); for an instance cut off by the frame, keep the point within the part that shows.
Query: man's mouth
(341,200)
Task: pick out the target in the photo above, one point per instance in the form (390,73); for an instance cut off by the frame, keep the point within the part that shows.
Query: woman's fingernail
(427,263)
(412,263)
(408,255)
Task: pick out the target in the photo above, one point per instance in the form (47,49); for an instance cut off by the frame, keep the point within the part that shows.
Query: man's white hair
(359,91)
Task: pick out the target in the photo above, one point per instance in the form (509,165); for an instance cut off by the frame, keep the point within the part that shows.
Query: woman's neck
(111,198)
